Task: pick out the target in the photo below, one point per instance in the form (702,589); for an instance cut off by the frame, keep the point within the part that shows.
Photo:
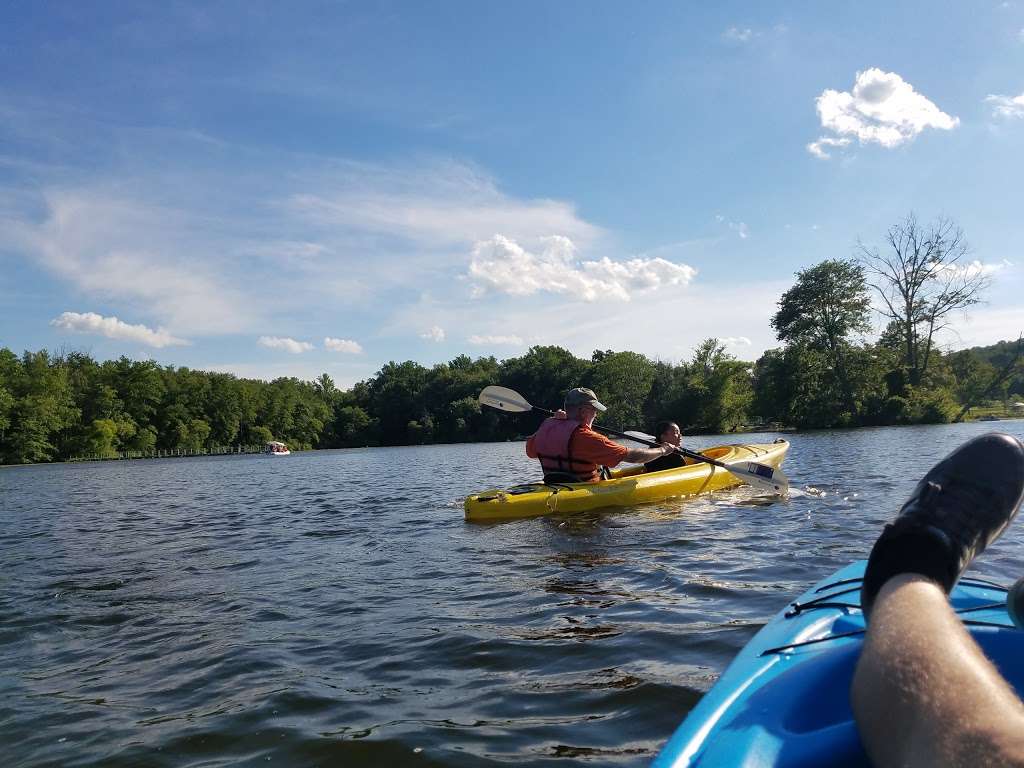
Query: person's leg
(923,693)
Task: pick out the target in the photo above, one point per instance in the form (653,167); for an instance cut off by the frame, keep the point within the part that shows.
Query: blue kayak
(785,699)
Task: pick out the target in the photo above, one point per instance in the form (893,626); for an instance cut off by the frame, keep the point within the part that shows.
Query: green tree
(258,435)
(353,426)
(718,391)
(139,386)
(100,438)
(827,305)
(623,382)
(396,400)
(6,406)
(544,374)
(224,409)
(43,412)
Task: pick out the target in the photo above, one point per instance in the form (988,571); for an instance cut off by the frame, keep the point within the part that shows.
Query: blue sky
(272,190)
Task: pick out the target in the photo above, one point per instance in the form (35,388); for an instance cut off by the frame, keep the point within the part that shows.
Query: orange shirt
(588,445)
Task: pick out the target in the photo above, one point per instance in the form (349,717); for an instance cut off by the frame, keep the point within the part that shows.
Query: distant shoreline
(753,429)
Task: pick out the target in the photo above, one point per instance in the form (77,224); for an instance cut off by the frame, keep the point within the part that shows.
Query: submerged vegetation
(56,407)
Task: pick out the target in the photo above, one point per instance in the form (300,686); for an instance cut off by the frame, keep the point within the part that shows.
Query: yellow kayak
(627,486)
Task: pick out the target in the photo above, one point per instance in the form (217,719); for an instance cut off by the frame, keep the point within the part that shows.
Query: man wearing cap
(571,451)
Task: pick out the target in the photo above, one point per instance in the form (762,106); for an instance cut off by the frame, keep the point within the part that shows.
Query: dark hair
(662,426)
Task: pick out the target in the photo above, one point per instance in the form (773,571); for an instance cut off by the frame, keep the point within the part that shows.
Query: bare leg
(923,693)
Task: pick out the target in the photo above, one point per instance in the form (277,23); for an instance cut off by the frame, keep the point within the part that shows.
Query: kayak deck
(785,699)
(628,486)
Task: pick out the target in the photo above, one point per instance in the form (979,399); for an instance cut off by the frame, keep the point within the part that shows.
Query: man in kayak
(923,693)
(667,432)
(570,451)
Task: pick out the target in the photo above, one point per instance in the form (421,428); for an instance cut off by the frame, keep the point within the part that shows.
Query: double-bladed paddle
(758,475)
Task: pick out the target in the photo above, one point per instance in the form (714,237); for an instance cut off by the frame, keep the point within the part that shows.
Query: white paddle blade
(643,437)
(504,399)
(761,476)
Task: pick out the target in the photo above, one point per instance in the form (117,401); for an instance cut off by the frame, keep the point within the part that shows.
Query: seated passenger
(570,451)
(667,432)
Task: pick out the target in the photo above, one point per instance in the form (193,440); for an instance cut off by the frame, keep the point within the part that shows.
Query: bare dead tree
(922,277)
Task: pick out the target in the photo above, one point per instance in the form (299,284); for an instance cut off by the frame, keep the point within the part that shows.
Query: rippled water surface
(333,608)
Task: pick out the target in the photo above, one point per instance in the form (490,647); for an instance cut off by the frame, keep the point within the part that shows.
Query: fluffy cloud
(343,345)
(435,333)
(112,328)
(736,341)
(288,345)
(513,341)
(1007,107)
(882,108)
(501,264)
(975,268)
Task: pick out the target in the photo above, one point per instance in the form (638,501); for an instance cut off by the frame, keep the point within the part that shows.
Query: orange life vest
(552,446)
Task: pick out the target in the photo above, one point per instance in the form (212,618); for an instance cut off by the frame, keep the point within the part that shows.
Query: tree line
(60,406)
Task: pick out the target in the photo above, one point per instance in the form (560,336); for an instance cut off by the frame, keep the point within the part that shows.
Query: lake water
(333,608)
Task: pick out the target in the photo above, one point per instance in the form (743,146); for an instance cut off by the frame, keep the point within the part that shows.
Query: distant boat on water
(274,448)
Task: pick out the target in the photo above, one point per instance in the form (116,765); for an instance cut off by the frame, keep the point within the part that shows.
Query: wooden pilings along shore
(173,453)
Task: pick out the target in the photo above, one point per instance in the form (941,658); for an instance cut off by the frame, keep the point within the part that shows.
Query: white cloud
(502,265)
(439,204)
(112,328)
(738,34)
(1007,107)
(816,148)
(513,341)
(343,345)
(146,257)
(204,250)
(882,108)
(975,268)
(736,341)
(288,345)
(435,333)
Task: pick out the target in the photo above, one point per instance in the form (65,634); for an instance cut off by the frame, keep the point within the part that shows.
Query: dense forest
(59,407)
(824,374)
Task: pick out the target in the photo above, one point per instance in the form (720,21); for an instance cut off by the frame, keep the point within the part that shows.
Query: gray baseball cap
(582,396)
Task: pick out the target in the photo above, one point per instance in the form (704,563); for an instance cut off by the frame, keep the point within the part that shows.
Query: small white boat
(274,448)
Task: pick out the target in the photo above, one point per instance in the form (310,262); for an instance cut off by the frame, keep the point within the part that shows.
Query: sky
(275,189)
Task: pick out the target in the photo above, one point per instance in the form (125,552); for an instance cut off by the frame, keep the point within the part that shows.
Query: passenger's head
(581,404)
(668,432)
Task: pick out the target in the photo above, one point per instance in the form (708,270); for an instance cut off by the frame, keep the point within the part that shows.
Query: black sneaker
(960,507)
